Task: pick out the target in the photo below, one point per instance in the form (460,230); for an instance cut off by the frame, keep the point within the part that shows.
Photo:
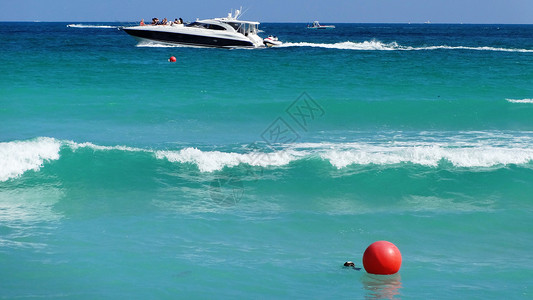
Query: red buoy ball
(172,59)
(382,258)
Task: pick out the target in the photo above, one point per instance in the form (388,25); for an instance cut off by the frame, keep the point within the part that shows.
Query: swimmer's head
(349,264)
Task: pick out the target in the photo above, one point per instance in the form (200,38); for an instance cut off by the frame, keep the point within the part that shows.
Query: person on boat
(165,22)
(142,22)
(176,21)
(181,21)
(155,21)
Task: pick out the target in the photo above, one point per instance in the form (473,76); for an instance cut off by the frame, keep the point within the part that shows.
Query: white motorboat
(316,25)
(226,32)
(271,41)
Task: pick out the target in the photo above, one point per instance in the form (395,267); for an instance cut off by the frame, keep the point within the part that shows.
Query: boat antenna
(237,13)
(243,12)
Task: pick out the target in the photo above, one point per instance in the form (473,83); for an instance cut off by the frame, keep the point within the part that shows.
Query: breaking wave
(18,157)
(357,154)
(430,156)
(209,161)
(375,45)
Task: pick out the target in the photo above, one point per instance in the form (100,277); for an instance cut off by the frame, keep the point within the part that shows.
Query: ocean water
(258,173)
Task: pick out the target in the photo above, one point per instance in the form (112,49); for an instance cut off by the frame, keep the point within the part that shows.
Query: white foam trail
(90,26)
(380,46)
(520,100)
(20,156)
(471,48)
(366,45)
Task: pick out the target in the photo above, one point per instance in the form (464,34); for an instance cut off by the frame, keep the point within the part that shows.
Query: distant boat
(316,25)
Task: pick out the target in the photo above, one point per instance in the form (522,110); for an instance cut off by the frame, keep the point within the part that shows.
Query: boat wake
(375,45)
(91,26)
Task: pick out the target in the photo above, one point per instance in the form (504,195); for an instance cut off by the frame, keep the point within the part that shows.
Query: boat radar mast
(235,16)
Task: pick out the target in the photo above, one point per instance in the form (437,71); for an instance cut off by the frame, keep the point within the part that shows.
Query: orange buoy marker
(172,59)
(382,258)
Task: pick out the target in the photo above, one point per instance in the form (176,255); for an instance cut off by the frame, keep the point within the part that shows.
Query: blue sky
(356,11)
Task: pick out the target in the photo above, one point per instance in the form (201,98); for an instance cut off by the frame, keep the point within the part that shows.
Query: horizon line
(281,22)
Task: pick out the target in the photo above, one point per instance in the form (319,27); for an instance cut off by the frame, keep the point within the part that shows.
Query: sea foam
(18,157)
(209,161)
(431,156)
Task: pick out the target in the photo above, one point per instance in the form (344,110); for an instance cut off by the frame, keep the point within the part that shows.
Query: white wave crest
(17,157)
(90,26)
(488,150)
(209,161)
(75,146)
(375,45)
(469,157)
(20,156)
(520,100)
(343,155)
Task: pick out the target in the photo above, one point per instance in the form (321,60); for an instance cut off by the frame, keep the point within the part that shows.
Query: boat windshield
(206,26)
(244,28)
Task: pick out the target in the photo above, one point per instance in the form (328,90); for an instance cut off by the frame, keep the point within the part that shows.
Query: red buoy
(382,258)
(172,59)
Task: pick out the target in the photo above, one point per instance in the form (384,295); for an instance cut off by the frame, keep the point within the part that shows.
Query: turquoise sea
(255,174)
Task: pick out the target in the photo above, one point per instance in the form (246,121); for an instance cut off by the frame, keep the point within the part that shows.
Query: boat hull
(271,43)
(322,27)
(179,38)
